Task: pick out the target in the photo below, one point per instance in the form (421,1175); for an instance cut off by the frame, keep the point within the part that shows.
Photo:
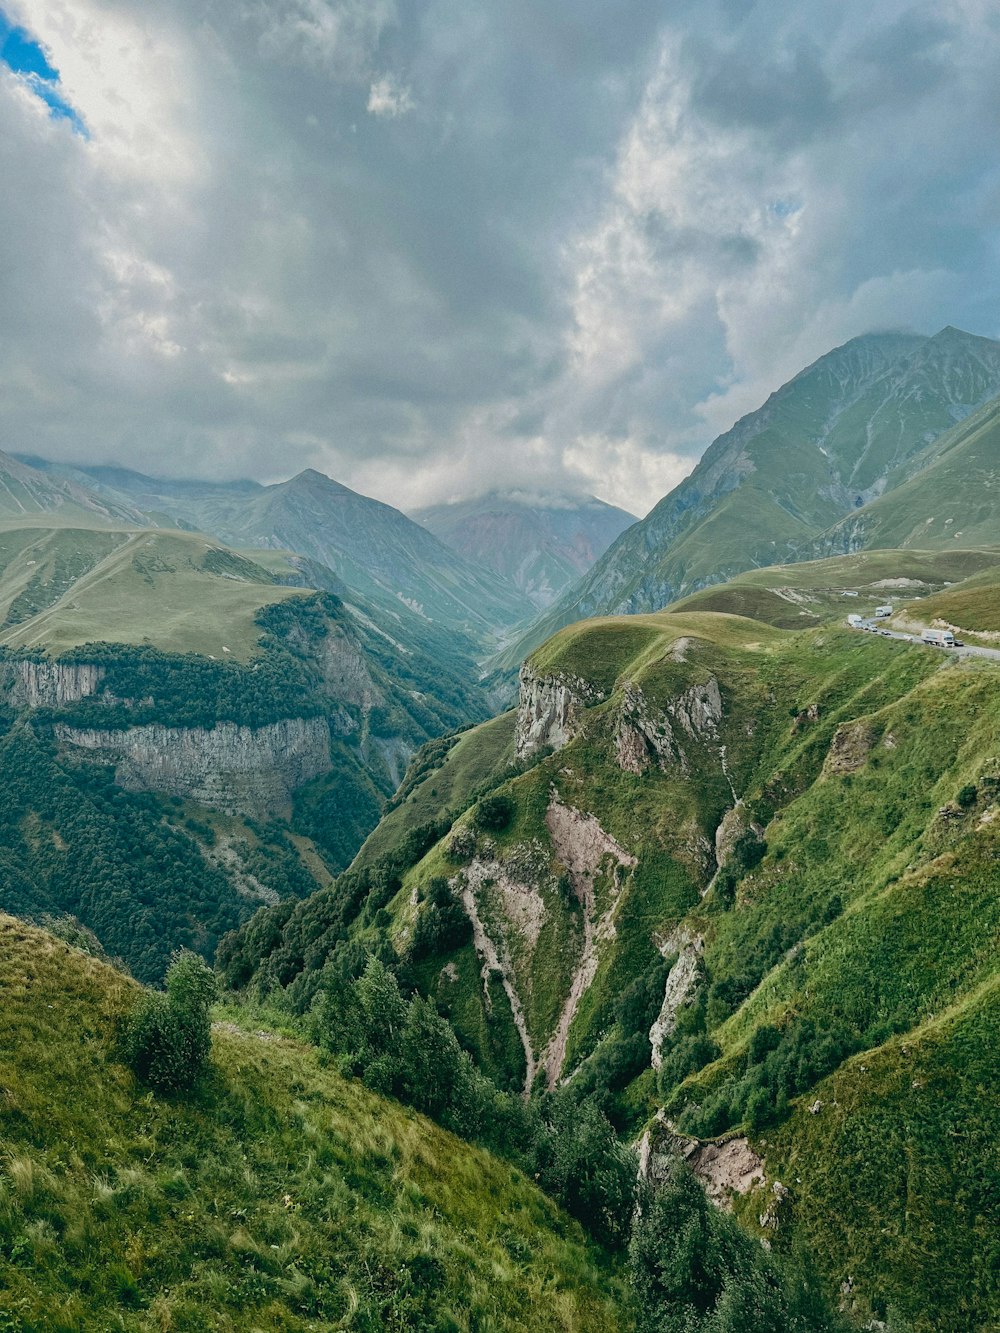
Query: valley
(708,895)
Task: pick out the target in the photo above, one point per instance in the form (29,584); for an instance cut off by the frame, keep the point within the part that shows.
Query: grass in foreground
(279,1196)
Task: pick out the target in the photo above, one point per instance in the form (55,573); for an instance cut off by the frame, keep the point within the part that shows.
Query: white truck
(856,622)
(882,611)
(938,638)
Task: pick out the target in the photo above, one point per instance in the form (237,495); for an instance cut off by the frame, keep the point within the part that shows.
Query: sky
(431,249)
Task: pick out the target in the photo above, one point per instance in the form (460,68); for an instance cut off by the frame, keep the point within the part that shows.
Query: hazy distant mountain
(851,427)
(539,544)
(374,548)
(26,490)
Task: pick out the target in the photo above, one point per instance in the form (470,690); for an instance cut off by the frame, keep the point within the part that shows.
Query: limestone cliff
(46,684)
(239,770)
(549,709)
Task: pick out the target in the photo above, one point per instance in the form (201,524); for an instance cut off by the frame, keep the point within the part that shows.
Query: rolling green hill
(812,592)
(744,892)
(840,437)
(65,586)
(277,1196)
(374,549)
(186,733)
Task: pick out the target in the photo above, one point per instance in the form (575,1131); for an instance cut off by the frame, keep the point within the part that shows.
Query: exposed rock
(681,985)
(585,849)
(495,960)
(735,822)
(642,734)
(724,1169)
(727,1168)
(239,770)
(645,734)
(48,684)
(549,710)
(698,709)
(849,749)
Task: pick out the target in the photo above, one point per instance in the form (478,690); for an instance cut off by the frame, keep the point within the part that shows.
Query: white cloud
(595,245)
(389,99)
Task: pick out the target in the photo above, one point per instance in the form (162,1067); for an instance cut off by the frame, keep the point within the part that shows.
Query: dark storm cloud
(422,246)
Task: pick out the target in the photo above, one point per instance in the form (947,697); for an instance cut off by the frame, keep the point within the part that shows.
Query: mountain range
(720,890)
(812,471)
(538,544)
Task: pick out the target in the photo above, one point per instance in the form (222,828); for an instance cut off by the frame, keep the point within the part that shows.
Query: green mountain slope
(27,491)
(811,592)
(277,1196)
(757,872)
(64,586)
(183,736)
(953,500)
(852,426)
(373,548)
(538,544)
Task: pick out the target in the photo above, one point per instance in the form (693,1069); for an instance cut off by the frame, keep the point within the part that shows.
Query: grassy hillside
(953,500)
(277,1196)
(812,592)
(759,867)
(971,607)
(441,780)
(61,587)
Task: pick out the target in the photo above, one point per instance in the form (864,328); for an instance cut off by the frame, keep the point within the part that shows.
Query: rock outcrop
(549,710)
(682,982)
(646,735)
(725,1169)
(46,684)
(239,770)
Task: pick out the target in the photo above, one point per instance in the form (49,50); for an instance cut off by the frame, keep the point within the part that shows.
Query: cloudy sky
(434,247)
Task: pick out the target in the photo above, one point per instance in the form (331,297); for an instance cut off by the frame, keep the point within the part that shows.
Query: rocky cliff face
(238,770)
(647,735)
(549,709)
(50,684)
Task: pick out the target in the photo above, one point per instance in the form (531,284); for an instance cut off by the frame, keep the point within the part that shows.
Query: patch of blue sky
(26,58)
(785,208)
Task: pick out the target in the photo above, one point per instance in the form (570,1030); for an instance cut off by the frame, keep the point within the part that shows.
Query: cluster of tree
(73,843)
(780,1064)
(284,947)
(442,925)
(402,1047)
(693,1269)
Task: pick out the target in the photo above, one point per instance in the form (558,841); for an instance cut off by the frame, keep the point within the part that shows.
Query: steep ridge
(376,550)
(793,927)
(182,736)
(954,499)
(843,432)
(277,1194)
(538,544)
(26,491)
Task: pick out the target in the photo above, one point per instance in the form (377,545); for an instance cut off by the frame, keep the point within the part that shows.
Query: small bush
(967,796)
(494,813)
(168,1037)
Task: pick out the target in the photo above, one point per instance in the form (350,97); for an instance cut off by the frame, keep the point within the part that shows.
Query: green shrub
(168,1037)
(494,813)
